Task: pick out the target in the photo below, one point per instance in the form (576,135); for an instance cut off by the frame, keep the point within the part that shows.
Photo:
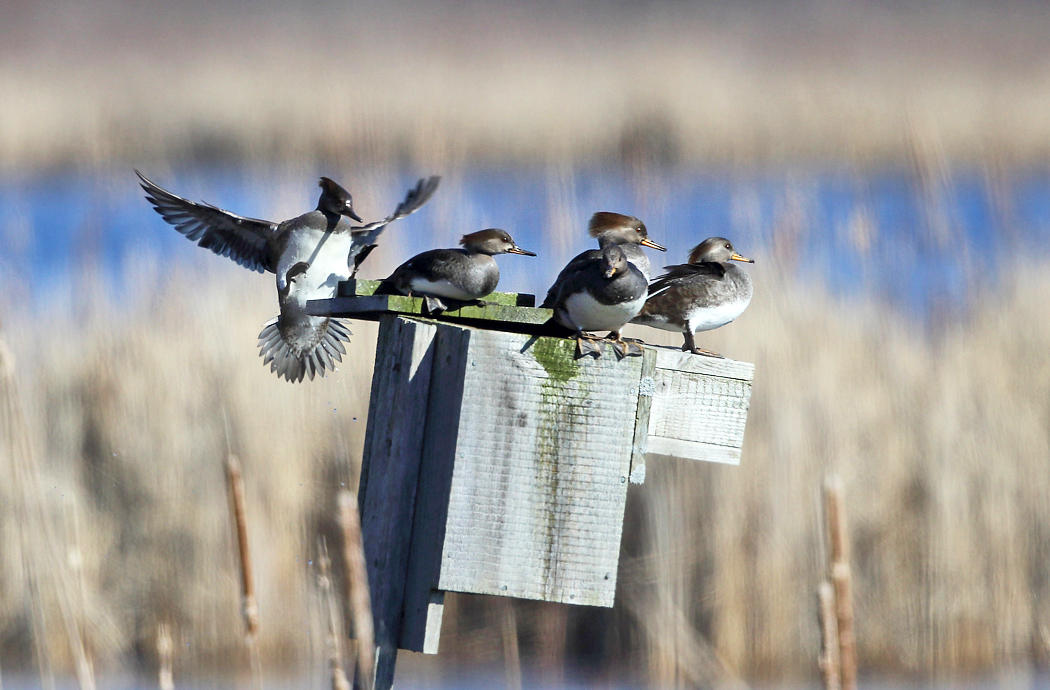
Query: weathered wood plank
(687,361)
(646,390)
(365,288)
(423,602)
(390,473)
(663,447)
(673,358)
(695,414)
(373,306)
(541,468)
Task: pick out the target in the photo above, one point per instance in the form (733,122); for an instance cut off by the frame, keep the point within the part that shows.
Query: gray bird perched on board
(461,274)
(701,295)
(310,254)
(598,293)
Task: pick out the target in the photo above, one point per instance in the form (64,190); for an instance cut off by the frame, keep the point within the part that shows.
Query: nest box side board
(699,407)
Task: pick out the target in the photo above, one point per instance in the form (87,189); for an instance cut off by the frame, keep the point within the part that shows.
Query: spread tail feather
(293,360)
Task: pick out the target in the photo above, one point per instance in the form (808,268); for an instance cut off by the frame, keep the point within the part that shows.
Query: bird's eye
(728,246)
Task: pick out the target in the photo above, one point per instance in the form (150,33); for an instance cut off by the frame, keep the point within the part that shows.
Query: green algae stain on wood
(556,431)
(367,288)
(557,357)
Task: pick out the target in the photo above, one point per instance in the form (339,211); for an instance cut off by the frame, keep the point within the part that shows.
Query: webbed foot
(702,351)
(433,305)
(625,347)
(690,346)
(586,345)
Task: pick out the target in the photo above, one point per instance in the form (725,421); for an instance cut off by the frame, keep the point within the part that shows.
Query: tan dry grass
(744,83)
(942,444)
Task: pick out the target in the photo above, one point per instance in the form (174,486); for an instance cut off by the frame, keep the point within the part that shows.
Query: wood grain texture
(539,480)
(365,288)
(390,472)
(371,307)
(699,407)
(646,391)
(675,359)
(423,608)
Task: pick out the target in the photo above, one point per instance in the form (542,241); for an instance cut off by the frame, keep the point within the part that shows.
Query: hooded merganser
(626,231)
(601,294)
(310,254)
(701,295)
(457,274)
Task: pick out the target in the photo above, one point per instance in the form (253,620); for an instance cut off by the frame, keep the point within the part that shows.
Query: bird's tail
(386,287)
(295,351)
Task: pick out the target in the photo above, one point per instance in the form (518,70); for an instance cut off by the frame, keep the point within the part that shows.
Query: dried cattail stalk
(235,484)
(335,649)
(511,657)
(165,656)
(829,637)
(249,608)
(842,580)
(357,593)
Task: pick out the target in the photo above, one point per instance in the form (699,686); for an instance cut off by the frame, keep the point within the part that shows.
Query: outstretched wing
(245,240)
(413,201)
(679,272)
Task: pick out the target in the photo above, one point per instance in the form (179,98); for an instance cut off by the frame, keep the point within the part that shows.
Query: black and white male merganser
(598,294)
(701,295)
(310,254)
(461,274)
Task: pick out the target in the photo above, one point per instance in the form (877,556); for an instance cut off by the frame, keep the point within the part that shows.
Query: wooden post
(841,579)
(389,474)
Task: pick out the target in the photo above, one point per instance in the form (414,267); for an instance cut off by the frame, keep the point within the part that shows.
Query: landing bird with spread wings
(310,255)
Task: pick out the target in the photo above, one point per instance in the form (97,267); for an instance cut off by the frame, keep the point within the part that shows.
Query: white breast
(583,312)
(325,252)
(712,317)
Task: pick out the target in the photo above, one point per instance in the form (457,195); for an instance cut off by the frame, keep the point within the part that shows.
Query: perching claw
(586,345)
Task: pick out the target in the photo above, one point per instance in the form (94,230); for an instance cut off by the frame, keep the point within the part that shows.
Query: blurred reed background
(129,372)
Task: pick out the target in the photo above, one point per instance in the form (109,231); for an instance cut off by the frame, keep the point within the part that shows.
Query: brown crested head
(492,241)
(618,228)
(716,250)
(607,221)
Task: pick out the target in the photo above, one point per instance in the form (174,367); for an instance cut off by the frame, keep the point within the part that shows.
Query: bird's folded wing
(684,272)
(575,265)
(248,241)
(413,201)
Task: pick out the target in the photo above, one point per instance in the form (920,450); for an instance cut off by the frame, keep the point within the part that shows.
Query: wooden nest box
(496,463)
